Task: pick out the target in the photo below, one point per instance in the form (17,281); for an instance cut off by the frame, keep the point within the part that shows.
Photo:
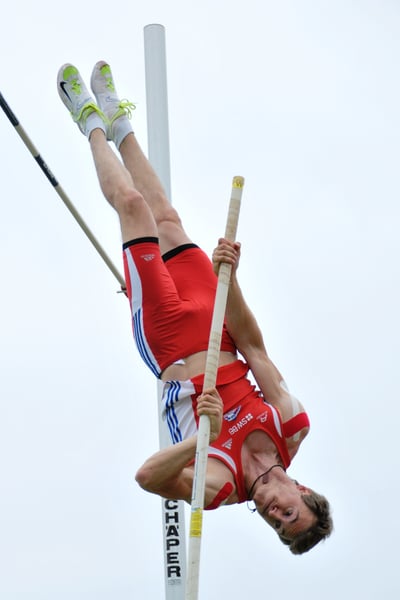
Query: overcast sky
(302,98)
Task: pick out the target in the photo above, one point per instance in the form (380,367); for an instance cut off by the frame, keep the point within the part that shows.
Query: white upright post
(173,515)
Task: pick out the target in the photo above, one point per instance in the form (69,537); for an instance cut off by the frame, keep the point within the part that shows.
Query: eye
(288,512)
(277,524)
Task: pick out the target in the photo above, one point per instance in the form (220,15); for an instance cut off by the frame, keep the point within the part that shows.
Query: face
(282,507)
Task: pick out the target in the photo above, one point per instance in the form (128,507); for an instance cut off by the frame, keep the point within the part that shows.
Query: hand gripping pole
(45,169)
(210,377)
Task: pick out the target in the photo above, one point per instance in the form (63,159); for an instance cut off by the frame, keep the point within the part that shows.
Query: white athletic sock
(120,128)
(94,121)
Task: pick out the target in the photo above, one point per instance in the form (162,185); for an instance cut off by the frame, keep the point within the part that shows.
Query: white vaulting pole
(210,377)
(173,515)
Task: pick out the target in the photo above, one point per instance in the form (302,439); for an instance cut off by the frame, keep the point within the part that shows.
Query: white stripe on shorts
(137,318)
(177,409)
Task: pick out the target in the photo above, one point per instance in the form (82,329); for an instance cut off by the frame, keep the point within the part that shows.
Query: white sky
(300,97)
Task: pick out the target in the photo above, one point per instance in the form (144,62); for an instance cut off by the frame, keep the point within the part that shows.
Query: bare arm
(167,473)
(244,329)
(240,321)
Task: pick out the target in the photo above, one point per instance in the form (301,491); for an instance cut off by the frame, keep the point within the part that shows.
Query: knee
(165,214)
(129,202)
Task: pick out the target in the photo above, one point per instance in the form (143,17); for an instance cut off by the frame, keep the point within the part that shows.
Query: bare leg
(170,230)
(135,216)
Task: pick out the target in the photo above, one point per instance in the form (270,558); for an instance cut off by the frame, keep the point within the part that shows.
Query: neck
(251,491)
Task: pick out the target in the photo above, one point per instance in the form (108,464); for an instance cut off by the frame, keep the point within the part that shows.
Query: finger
(209,412)
(210,391)
(209,405)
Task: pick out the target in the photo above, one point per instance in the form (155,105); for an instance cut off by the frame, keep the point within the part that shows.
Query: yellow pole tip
(238,181)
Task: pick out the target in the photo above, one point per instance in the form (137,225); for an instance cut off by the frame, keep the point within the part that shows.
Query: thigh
(148,280)
(155,303)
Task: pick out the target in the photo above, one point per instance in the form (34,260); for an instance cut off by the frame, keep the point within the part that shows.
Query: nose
(277,512)
(273,510)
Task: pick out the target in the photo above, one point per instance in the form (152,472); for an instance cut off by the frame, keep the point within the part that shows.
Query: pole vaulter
(161,153)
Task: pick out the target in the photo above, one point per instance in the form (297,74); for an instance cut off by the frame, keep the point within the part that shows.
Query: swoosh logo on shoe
(62,86)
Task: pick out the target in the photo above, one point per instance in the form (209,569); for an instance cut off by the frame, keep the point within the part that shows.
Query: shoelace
(127,107)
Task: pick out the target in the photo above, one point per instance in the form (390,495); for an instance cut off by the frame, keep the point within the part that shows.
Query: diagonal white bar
(173,515)
(60,191)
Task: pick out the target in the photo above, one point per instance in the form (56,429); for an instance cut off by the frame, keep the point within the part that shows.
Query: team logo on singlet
(147,257)
(228,444)
(232,414)
(263,417)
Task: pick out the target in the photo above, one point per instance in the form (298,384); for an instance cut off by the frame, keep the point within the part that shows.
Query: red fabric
(176,300)
(222,495)
(295,424)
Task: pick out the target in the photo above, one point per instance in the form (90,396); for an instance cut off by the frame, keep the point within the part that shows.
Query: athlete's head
(320,529)
(300,516)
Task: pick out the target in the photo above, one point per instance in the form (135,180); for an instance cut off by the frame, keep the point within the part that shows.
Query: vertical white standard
(173,515)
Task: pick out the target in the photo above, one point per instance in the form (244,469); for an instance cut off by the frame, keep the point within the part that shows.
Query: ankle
(120,129)
(94,122)
(96,133)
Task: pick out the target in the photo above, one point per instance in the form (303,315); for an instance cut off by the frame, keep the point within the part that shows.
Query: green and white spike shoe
(74,94)
(118,112)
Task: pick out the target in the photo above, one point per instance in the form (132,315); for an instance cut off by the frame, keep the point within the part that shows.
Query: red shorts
(172,301)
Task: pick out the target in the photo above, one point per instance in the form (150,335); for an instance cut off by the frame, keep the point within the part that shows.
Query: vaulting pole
(173,515)
(210,377)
